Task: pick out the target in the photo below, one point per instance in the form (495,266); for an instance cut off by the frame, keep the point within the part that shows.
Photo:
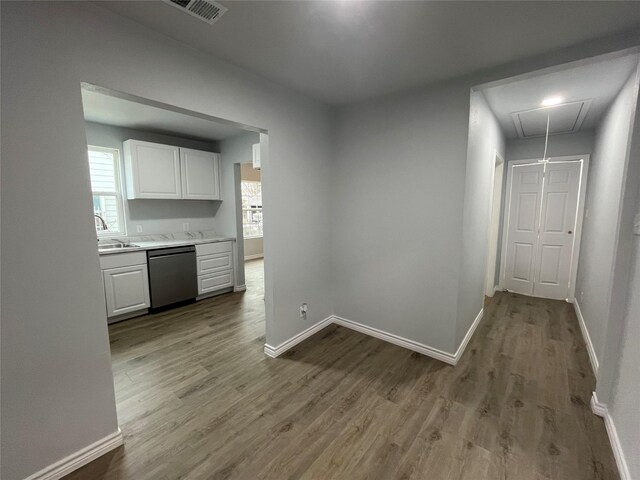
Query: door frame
(490,290)
(577,238)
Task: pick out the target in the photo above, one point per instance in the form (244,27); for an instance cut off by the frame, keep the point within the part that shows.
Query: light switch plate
(636,224)
(139,228)
(185,227)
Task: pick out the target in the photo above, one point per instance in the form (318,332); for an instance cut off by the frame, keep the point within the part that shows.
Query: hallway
(197,398)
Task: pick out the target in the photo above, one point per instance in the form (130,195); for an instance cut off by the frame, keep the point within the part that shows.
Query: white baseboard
(601,410)
(468,336)
(80,458)
(446,357)
(254,257)
(397,340)
(293,341)
(239,288)
(587,339)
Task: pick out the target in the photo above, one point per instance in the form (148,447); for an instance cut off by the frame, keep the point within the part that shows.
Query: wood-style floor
(198,399)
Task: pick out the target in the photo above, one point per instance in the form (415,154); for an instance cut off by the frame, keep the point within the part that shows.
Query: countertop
(154,244)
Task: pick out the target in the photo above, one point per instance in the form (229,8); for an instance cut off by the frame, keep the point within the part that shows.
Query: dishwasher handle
(163,252)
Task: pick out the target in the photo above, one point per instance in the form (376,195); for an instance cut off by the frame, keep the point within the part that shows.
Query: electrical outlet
(304,308)
(185,227)
(139,228)
(636,224)
(581,296)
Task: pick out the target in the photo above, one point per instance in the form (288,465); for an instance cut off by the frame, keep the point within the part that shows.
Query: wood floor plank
(198,399)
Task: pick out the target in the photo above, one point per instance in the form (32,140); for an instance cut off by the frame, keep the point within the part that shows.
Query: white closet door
(557,229)
(522,231)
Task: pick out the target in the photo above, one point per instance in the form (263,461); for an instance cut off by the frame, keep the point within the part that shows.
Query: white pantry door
(543,206)
(522,234)
(557,229)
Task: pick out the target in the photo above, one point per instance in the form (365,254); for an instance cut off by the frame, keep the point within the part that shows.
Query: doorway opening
(167,205)
(548,124)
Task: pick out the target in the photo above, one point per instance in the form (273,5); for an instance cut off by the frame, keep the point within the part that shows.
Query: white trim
(80,458)
(593,358)
(239,288)
(489,285)
(274,352)
(254,257)
(601,410)
(598,408)
(450,358)
(397,340)
(469,334)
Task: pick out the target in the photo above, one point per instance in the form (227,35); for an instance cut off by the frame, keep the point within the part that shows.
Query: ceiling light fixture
(551,101)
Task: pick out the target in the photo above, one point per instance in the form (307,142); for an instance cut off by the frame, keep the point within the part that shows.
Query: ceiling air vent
(205,10)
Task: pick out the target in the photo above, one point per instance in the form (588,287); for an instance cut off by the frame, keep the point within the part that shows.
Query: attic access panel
(565,118)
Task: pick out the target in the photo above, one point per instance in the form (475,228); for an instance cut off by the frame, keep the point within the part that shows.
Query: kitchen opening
(178,214)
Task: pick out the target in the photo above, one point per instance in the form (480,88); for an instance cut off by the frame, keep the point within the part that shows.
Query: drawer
(215,263)
(215,281)
(116,260)
(211,248)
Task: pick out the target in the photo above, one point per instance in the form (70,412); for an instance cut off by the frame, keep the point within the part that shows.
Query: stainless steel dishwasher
(172,275)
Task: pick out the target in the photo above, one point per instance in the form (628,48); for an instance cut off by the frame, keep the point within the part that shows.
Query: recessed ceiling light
(550,101)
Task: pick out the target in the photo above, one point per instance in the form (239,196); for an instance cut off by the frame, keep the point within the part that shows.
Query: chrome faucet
(104,224)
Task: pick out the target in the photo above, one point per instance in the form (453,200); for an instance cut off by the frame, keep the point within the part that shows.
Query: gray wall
(618,378)
(157,216)
(397,221)
(485,139)
(602,211)
(624,401)
(57,388)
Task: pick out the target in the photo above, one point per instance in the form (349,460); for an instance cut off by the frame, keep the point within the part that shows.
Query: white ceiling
(345,51)
(599,82)
(109,110)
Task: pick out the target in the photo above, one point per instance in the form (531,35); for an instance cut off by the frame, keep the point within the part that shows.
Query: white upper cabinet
(152,170)
(200,174)
(160,171)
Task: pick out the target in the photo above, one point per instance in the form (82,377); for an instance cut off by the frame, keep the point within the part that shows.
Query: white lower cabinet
(126,283)
(126,278)
(215,267)
(215,281)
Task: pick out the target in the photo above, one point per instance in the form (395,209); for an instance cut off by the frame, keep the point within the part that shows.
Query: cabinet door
(200,175)
(215,281)
(215,263)
(152,170)
(126,289)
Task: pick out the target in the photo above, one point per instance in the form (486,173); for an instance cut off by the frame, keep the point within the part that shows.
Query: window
(251,208)
(104,167)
